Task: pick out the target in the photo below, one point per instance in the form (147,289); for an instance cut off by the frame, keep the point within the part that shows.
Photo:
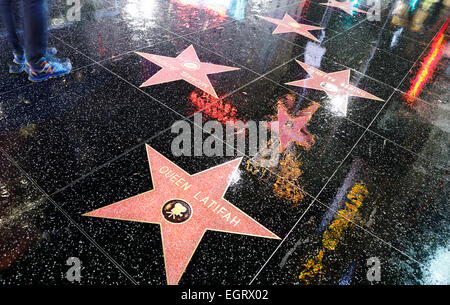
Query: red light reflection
(428,65)
(214,108)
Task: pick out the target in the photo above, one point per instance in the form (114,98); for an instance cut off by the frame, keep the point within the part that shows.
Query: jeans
(35,15)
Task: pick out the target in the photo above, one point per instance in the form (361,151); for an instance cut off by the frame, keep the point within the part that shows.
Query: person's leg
(6,15)
(40,66)
(35,15)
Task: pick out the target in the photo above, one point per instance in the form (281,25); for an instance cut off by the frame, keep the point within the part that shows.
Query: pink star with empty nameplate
(294,129)
(346,6)
(289,25)
(335,84)
(186,66)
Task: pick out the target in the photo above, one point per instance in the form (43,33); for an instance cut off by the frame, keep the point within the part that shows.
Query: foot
(19,65)
(51,52)
(47,68)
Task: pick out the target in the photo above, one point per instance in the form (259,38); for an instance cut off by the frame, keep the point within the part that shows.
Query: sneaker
(19,65)
(48,68)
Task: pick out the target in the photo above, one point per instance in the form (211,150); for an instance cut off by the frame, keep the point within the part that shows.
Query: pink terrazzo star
(346,6)
(184,206)
(336,84)
(294,129)
(289,25)
(186,66)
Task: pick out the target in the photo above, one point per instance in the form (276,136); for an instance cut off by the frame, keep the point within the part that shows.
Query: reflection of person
(34,57)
